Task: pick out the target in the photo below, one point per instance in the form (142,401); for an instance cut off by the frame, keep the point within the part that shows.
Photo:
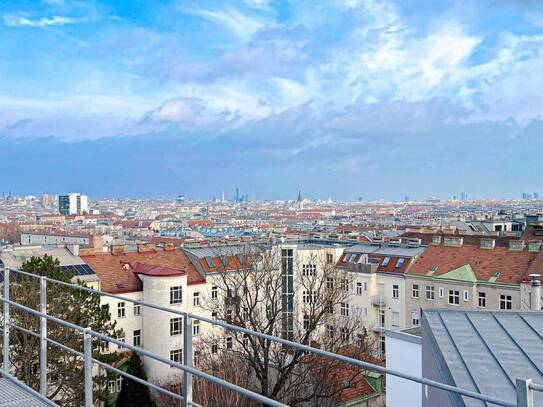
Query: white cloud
(12,20)
(259,4)
(241,25)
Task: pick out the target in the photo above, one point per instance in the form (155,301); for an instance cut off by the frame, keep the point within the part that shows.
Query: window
(309,270)
(482,300)
(176,326)
(466,295)
(429,292)
(214,314)
(329,307)
(415,291)
(358,288)
(121,336)
(196,327)
(385,262)
(121,310)
(229,342)
(306,322)
(137,310)
(400,263)
(395,319)
(176,355)
(176,295)
(137,337)
(415,319)
(344,333)
(395,291)
(344,309)
(214,348)
(214,292)
(441,292)
(365,286)
(344,284)
(114,386)
(197,358)
(329,258)
(245,340)
(330,282)
(330,331)
(506,302)
(382,344)
(105,308)
(309,297)
(196,299)
(454,297)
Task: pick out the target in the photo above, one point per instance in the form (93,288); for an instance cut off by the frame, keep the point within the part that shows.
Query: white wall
(404,355)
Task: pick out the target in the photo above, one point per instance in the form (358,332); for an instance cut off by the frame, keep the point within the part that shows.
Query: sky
(339,98)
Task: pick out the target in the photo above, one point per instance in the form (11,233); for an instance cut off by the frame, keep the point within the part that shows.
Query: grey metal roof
(16,395)
(487,351)
(386,250)
(14,258)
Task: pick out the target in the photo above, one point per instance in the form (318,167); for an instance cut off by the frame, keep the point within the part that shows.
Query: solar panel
(77,270)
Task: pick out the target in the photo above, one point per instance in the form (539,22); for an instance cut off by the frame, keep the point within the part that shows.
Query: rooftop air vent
(436,240)
(534,246)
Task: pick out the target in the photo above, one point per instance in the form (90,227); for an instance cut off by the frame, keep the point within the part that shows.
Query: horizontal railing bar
(100,363)
(195,372)
(137,379)
(203,375)
(306,348)
(536,387)
(26,388)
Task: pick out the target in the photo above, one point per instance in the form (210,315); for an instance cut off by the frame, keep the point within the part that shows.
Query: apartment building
(455,275)
(73,204)
(159,276)
(379,287)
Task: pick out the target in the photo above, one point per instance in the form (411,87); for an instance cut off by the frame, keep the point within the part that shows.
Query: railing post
(5,312)
(187,360)
(87,351)
(43,336)
(525,395)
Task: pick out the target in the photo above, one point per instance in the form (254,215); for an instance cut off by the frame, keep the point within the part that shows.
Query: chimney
(73,248)
(168,247)
(453,241)
(516,245)
(535,297)
(436,240)
(534,246)
(145,247)
(97,242)
(488,244)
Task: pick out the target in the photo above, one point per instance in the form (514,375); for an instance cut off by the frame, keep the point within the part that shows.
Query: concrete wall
(404,354)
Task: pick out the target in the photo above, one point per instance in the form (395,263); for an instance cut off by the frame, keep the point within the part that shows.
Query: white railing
(524,387)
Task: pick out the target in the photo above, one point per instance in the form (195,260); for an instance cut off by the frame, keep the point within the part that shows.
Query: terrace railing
(524,387)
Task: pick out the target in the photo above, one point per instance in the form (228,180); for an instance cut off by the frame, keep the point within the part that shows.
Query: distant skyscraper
(526,195)
(463,196)
(536,195)
(73,204)
(180,198)
(237,194)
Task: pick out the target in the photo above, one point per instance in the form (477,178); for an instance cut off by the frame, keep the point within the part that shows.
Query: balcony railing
(524,387)
(378,300)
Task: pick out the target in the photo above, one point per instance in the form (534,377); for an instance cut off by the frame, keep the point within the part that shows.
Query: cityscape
(306,203)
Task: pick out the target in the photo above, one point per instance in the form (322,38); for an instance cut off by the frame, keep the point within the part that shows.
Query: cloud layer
(277,90)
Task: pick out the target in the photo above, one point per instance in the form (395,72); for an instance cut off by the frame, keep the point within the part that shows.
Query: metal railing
(524,387)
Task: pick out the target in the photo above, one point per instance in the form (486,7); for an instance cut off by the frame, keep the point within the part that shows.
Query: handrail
(206,376)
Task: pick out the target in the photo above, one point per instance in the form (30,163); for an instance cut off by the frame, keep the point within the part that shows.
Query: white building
(73,204)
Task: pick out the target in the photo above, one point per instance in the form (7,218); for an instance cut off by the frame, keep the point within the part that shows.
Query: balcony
(379,300)
(379,328)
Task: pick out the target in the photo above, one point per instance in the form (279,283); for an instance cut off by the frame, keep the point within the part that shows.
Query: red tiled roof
(152,270)
(512,265)
(233,264)
(345,382)
(118,279)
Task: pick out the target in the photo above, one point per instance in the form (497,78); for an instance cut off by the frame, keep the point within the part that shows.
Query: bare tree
(261,290)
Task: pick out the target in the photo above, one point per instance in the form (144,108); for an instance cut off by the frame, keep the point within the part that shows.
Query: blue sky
(341,98)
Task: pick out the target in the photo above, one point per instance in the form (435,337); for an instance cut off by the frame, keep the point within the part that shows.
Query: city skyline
(341,99)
